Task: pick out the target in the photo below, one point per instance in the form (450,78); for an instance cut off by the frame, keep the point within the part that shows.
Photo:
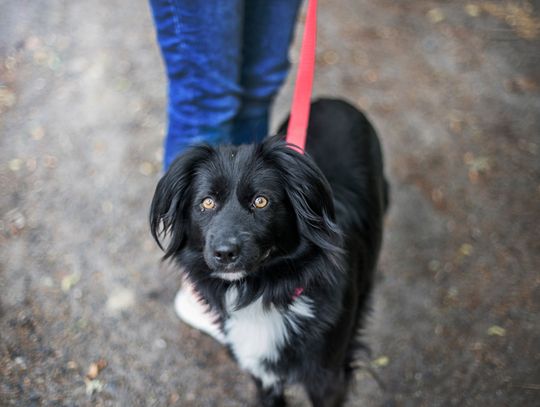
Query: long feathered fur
(329,222)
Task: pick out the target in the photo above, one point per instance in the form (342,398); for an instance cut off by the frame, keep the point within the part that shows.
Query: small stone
(174,398)
(47,281)
(437,196)
(31,164)
(19,361)
(158,154)
(146,168)
(37,133)
(371,76)
(107,206)
(50,161)
(72,365)
(33,43)
(99,146)
(120,300)
(452,292)
(330,57)
(16,220)
(434,265)
(160,343)
(77,293)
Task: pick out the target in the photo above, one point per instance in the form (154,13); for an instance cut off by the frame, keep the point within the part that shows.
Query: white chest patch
(256,334)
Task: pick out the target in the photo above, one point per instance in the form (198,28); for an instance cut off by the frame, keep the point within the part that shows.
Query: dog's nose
(226,253)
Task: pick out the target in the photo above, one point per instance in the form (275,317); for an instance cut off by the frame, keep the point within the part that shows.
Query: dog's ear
(309,193)
(169,213)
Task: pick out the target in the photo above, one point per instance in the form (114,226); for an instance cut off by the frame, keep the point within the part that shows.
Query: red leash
(298,122)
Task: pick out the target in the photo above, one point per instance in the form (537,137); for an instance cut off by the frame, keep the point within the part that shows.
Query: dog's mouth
(230,275)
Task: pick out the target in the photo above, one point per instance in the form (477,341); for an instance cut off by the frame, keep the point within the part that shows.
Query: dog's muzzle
(223,252)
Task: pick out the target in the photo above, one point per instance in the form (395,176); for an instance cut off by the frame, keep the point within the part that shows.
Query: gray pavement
(86,314)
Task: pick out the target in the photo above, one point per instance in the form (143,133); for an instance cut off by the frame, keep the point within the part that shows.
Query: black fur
(321,231)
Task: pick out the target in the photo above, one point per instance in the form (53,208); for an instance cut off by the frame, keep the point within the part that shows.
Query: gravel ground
(86,312)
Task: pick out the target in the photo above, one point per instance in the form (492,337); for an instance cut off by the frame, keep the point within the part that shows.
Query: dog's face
(236,208)
(239,212)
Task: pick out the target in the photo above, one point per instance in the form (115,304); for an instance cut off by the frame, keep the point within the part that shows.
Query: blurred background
(86,315)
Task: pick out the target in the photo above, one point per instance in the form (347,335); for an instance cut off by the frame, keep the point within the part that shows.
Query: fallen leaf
(522,84)
(174,397)
(381,361)
(50,161)
(519,17)
(15,164)
(496,330)
(69,281)
(93,371)
(7,98)
(466,249)
(93,386)
(435,15)
(95,368)
(101,364)
(473,10)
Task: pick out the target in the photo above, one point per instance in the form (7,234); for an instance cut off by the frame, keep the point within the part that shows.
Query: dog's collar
(297,293)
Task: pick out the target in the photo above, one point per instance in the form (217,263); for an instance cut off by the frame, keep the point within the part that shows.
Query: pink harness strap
(297,292)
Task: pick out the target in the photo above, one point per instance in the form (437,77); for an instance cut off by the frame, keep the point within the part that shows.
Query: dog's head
(239,208)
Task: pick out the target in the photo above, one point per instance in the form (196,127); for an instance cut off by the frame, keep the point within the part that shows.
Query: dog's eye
(260,202)
(208,203)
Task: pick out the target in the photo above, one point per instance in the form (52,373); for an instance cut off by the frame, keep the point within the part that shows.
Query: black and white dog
(282,247)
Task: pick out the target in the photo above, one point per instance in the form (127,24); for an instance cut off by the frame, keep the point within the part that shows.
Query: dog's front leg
(271,396)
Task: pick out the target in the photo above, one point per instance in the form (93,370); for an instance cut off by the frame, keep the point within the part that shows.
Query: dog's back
(345,146)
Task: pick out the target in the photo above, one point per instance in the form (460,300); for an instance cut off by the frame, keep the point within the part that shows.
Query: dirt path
(454,90)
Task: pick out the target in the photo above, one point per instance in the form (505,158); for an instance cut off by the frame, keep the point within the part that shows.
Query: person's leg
(201,45)
(268,32)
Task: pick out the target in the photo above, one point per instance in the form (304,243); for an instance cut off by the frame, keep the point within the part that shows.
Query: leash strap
(298,122)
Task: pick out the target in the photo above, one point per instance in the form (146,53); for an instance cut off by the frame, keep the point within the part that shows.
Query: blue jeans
(225,61)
